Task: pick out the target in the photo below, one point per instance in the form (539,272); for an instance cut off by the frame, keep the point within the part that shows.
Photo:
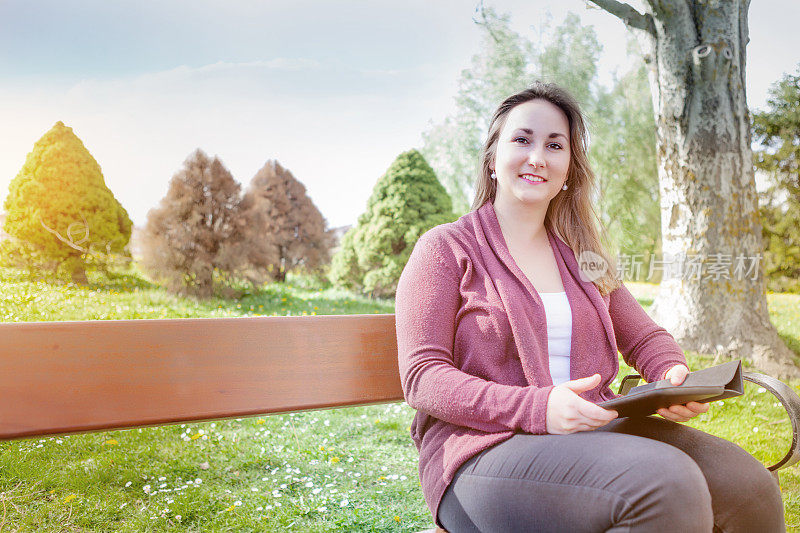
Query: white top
(559,333)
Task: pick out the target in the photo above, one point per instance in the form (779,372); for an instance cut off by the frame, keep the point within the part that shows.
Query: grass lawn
(350,469)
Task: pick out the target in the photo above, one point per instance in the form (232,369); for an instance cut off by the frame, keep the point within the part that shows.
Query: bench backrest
(66,377)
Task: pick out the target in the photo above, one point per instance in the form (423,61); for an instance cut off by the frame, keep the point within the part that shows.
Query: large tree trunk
(695,51)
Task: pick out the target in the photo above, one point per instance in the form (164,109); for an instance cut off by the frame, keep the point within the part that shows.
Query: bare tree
(695,54)
(286,230)
(191,240)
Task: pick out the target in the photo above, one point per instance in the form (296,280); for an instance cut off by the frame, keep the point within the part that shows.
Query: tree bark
(712,295)
(79,277)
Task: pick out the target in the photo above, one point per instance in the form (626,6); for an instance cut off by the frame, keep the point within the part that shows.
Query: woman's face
(533,154)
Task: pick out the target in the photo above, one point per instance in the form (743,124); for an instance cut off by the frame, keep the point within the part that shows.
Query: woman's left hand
(681,413)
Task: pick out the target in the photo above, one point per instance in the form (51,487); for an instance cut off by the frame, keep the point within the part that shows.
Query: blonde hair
(571,214)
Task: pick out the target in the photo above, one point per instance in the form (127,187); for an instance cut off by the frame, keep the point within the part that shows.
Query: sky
(334,91)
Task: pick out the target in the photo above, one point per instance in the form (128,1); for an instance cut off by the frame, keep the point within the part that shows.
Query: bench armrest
(629,382)
(791,402)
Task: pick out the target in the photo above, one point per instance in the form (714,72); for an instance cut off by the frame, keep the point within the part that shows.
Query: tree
(194,240)
(59,209)
(569,58)
(287,231)
(621,123)
(406,202)
(777,129)
(500,69)
(695,54)
(506,63)
(624,157)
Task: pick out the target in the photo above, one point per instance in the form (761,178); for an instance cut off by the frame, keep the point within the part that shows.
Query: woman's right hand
(569,413)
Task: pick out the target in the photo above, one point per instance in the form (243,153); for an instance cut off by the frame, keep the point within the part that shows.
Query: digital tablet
(707,385)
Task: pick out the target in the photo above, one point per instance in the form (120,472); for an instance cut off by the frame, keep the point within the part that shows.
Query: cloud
(289,78)
(335,127)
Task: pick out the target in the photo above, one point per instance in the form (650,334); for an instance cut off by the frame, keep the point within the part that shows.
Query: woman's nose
(536,158)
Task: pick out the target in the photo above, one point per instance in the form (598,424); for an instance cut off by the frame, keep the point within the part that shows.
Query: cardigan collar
(583,296)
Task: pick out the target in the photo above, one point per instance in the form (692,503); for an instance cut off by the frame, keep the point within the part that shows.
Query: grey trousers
(631,475)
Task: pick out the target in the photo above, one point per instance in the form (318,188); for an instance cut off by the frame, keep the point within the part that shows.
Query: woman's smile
(533,178)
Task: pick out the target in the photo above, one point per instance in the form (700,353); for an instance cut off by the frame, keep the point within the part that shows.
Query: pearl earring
(493,175)
(564,188)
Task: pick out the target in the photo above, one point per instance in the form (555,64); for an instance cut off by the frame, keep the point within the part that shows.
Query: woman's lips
(530,179)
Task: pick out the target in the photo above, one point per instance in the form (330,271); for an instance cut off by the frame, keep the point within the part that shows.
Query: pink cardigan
(472,343)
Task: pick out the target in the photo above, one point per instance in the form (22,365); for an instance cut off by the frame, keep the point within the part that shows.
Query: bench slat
(67,377)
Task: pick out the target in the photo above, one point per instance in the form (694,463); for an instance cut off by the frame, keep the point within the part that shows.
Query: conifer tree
(193,241)
(777,129)
(286,230)
(406,202)
(60,211)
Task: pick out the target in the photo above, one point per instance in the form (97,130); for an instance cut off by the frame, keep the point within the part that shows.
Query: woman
(505,347)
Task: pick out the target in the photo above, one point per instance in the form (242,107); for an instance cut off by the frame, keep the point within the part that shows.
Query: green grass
(348,469)
(129,296)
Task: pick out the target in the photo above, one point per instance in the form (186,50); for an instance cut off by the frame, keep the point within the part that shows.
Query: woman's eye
(556,146)
(521,139)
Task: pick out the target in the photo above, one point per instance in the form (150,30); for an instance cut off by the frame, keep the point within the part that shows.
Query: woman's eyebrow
(551,136)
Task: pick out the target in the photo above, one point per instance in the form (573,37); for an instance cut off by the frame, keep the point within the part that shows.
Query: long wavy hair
(571,214)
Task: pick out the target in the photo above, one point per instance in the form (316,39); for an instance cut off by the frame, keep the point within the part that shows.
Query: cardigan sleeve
(644,345)
(427,303)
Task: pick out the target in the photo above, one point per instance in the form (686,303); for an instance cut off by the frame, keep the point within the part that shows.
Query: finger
(686,412)
(697,407)
(672,417)
(677,374)
(582,384)
(681,410)
(596,423)
(614,414)
(594,412)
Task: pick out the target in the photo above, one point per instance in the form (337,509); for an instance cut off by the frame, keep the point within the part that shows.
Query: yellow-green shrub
(59,209)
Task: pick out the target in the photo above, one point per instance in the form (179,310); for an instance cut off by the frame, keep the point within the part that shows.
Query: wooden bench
(69,377)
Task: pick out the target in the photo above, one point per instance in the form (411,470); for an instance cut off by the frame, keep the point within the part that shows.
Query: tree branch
(482,11)
(71,243)
(628,15)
